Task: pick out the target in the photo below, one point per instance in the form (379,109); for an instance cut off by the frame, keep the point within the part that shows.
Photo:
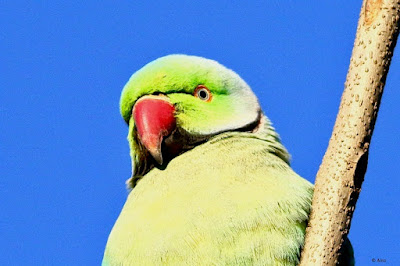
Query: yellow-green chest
(227,202)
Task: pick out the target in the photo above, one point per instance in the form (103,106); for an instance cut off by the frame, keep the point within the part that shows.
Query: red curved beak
(154,120)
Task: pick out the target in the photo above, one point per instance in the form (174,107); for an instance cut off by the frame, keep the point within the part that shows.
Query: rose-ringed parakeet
(211,182)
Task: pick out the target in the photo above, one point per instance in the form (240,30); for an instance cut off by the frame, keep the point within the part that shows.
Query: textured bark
(339,179)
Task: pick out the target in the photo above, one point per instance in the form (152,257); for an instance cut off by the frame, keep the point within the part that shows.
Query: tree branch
(339,179)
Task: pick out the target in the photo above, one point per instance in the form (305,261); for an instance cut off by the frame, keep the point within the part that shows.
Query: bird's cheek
(154,119)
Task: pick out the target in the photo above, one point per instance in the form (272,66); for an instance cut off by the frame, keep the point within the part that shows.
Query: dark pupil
(203,94)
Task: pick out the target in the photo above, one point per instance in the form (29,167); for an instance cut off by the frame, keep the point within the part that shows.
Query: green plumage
(220,203)
(231,198)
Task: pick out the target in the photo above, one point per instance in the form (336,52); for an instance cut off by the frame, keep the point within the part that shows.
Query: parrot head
(178,102)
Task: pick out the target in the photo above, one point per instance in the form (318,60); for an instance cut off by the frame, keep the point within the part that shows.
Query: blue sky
(63,150)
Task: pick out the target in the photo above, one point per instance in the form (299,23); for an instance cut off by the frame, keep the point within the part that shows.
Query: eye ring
(203,93)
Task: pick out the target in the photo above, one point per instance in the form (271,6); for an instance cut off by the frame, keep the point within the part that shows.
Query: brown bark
(339,179)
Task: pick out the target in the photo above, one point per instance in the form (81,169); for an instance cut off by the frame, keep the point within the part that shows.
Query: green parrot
(211,182)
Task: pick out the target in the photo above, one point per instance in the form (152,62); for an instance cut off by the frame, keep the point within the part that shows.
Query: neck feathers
(142,162)
(266,131)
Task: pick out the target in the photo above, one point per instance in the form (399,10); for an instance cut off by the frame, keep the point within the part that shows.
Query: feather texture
(227,201)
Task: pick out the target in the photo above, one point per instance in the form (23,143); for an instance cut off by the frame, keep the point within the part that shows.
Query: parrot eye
(203,93)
